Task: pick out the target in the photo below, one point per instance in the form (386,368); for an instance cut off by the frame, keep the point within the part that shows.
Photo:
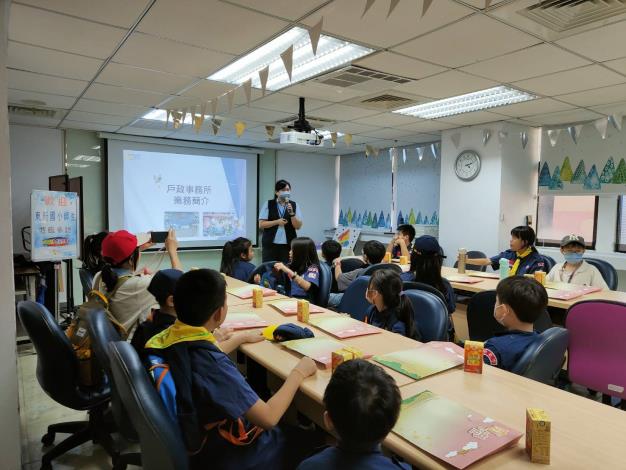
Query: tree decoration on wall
(579,174)
(381,220)
(544,175)
(592,181)
(608,171)
(566,170)
(620,174)
(374,221)
(434,220)
(349,216)
(400,218)
(418,219)
(358,221)
(412,217)
(369,219)
(388,222)
(341,217)
(555,182)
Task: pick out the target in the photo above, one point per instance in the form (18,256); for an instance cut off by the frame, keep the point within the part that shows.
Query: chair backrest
(102,333)
(57,365)
(596,346)
(607,270)
(326,282)
(430,314)
(480,322)
(474,255)
(549,262)
(412,285)
(260,269)
(162,447)
(544,358)
(375,267)
(350,264)
(86,280)
(353,300)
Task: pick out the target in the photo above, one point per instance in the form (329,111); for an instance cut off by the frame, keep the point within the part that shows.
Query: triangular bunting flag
(263,75)
(369,150)
(347,138)
(177,118)
(434,148)
(214,103)
(403,155)
(333,138)
(287,57)
(616,120)
(486,136)
(392,6)
(182,119)
(270,131)
(285,129)
(420,153)
(502,135)
(487,4)
(231,99)
(456,139)
(216,123)
(247,88)
(553,135)
(426,6)
(368,5)
(524,136)
(602,126)
(240,127)
(167,116)
(314,34)
(574,131)
(198,119)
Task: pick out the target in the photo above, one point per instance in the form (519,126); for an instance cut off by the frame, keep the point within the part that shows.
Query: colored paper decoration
(412,218)
(555,182)
(381,220)
(579,174)
(620,174)
(566,170)
(544,175)
(608,172)
(400,218)
(592,181)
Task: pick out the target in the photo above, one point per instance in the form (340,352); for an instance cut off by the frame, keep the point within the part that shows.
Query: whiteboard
(54,225)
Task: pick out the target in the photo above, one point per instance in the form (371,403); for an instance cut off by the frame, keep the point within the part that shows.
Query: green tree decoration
(544,175)
(608,171)
(418,219)
(555,182)
(412,217)
(566,170)
(580,174)
(620,174)
(349,217)
(592,182)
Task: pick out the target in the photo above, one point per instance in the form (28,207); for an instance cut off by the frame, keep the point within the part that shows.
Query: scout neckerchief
(520,256)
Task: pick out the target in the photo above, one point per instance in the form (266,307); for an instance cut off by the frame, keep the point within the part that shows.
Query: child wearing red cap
(129,298)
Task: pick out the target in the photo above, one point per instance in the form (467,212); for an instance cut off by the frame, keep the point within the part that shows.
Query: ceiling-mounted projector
(301,133)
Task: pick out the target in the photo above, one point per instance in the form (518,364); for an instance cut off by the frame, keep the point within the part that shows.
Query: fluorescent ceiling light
(87,158)
(484,99)
(77,165)
(331,53)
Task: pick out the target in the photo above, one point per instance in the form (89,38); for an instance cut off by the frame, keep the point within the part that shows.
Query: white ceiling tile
(35,120)
(287,9)
(114,12)
(117,94)
(397,64)
(611,108)
(604,43)
(541,59)
(447,84)
(343,19)
(145,132)
(208,89)
(40,60)
(142,79)
(481,3)
(351,127)
(115,109)
(260,115)
(428,125)
(564,117)
(211,24)
(82,116)
(342,112)
(386,120)
(320,91)
(477,117)
(584,78)
(144,50)
(64,33)
(89,126)
(288,103)
(619,65)
(22,98)
(531,108)
(470,40)
(389,133)
(45,83)
(599,96)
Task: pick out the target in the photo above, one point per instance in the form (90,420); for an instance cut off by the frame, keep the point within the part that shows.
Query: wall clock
(467,165)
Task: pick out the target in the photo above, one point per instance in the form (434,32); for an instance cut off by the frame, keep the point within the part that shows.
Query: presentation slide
(207,198)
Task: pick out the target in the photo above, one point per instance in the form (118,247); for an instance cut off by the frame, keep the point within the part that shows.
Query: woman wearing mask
(279,219)
(575,270)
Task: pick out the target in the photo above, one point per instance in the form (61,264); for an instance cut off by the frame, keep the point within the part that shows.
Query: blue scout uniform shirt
(281,237)
(242,270)
(336,458)
(449,294)
(505,349)
(312,274)
(528,265)
(387,320)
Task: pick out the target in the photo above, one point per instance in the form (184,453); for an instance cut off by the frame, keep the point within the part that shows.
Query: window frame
(557,243)
(619,248)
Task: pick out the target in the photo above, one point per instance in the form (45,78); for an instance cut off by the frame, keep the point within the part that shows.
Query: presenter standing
(279,219)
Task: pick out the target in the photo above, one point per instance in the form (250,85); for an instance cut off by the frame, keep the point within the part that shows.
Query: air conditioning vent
(386,100)
(361,78)
(30,111)
(565,15)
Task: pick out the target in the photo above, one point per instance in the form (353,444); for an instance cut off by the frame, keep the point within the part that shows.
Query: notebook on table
(462,278)
(451,432)
(425,360)
(243,321)
(245,292)
(342,326)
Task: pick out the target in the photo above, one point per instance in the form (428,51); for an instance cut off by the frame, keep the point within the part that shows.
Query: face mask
(495,310)
(573,258)
(284,195)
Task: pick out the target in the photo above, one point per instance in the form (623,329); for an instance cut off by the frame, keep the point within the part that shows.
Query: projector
(301,138)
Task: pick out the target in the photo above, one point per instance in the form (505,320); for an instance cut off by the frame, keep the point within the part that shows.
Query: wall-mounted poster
(54,225)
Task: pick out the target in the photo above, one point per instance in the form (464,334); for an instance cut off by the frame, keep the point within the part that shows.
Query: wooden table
(585,433)
(490,284)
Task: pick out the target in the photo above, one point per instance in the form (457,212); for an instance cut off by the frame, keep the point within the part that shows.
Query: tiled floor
(37,411)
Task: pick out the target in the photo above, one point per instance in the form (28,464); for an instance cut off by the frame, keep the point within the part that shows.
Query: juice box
(537,435)
(345,354)
(257,297)
(404,260)
(473,357)
(303,311)
(387,258)
(540,277)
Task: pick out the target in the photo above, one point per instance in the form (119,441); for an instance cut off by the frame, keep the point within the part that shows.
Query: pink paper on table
(425,360)
(245,292)
(485,275)
(242,321)
(290,307)
(451,432)
(318,349)
(343,326)
(462,278)
(571,293)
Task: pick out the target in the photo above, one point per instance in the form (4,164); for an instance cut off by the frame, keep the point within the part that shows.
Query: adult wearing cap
(129,298)
(575,270)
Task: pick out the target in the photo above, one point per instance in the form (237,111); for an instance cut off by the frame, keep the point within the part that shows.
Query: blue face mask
(285,195)
(573,258)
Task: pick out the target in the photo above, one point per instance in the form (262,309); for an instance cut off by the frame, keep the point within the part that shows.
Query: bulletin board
(54,225)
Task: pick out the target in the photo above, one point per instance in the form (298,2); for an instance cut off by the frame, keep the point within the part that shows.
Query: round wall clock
(467,165)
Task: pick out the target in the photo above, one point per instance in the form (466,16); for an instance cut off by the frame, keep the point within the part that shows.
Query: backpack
(90,373)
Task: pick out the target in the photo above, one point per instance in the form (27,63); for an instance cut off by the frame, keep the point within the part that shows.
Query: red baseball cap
(118,246)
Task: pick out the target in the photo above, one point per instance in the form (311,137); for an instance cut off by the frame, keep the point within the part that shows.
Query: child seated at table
(400,244)
(519,303)
(331,250)
(575,270)
(222,420)
(391,310)
(362,406)
(236,257)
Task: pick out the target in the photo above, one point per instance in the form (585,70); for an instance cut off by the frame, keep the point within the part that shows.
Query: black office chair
(375,267)
(86,281)
(351,264)
(549,261)
(543,360)
(412,285)
(353,300)
(102,333)
(261,269)
(430,314)
(57,374)
(326,282)
(607,270)
(473,255)
(162,447)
